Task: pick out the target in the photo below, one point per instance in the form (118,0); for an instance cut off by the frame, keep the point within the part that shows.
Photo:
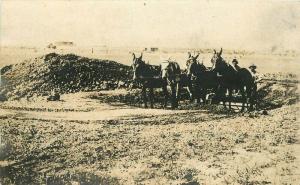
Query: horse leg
(144,96)
(151,98)
(190,91)
(253,97)
(165,91)
(198,99)
(178,91)
(217,97)
(198,92)
(230,97)
(223,95)
(173,96)
(177,100)
(244,99)
(197,95)
(204,92)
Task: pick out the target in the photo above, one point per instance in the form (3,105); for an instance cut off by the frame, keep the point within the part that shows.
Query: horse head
(191,59)
(137,63)
(169,70)
(218,62)
(216,56)
(193,66)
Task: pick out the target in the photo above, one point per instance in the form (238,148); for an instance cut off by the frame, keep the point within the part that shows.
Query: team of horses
(222,80)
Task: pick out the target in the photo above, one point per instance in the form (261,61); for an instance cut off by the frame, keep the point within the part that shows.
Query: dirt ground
(81,140)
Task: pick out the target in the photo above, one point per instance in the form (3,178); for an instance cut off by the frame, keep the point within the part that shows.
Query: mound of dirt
(277,90)
(62,73)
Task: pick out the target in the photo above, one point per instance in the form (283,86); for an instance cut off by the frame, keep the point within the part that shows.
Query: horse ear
(133,56)
(215,52)
(189,53)
(141,55)
(220,53)
(195,58)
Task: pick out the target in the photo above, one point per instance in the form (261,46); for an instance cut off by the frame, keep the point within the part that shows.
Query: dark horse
(150,77)
(201,79)
(229,79)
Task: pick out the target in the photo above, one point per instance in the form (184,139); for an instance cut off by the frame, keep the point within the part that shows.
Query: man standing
(256,78)
(254,73)
(235,65)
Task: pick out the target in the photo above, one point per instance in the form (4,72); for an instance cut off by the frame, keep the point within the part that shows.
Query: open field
(287,62)
(85,141)
(98,137)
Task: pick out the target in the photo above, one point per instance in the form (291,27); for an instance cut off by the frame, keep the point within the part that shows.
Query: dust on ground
(91,142)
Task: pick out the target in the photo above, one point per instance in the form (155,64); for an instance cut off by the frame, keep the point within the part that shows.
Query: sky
(235,24)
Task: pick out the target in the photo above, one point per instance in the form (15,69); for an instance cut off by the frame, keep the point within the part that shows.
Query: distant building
(63,43)
(151,49)
(154,49)
(60,44)
(51,46)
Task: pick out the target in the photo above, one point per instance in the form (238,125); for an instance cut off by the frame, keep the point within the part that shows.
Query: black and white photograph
(148,92)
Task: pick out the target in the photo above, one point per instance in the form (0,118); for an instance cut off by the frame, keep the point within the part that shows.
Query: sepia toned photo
(195,92)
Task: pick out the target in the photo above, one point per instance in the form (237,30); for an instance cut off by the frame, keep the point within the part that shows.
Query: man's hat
(252,66)
(235,61)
